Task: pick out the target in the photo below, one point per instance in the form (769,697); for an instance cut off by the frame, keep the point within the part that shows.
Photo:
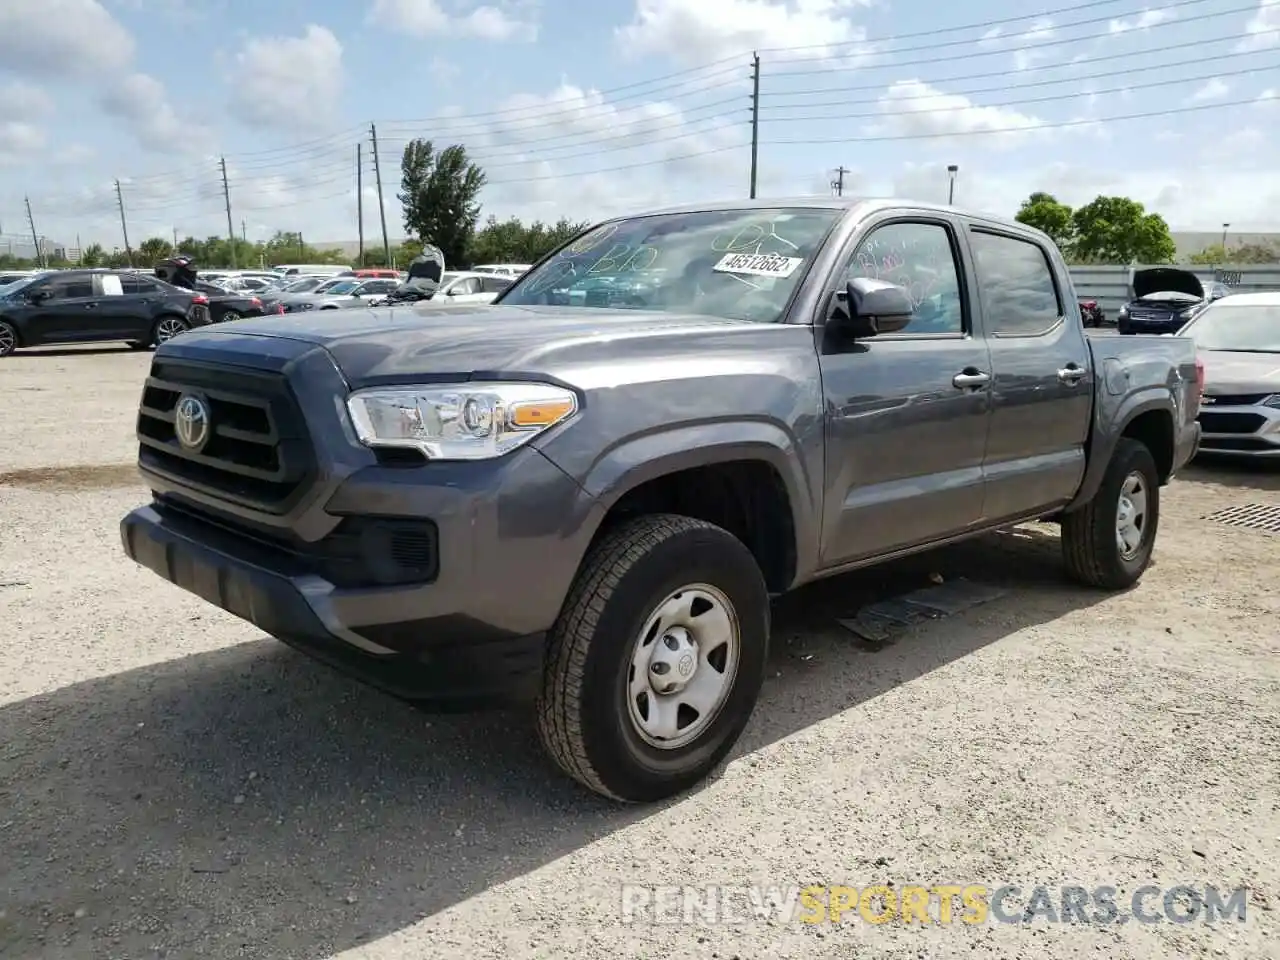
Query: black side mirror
(867,308)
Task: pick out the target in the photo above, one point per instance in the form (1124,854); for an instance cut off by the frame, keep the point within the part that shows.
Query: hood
(400,344)
(1159,279)
(1227,372)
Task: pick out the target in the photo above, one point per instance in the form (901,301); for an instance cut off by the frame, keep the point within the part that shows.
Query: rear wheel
(168,327)
(8,339)
(230,316)
(657,658)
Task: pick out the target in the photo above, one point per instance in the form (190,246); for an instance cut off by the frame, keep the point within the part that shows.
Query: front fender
(1108,427)
(636,460)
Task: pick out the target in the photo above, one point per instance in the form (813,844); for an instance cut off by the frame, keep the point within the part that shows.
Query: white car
(471,286)
(504,269)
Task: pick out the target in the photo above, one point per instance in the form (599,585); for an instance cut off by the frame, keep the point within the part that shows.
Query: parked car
(310,269)
(1164,299)
(96,306)
(345,292)
(455,288)
(504,269)
(592,506)
(272,296)
(226,306)
(1238,337)
(1091,314)
(373,273)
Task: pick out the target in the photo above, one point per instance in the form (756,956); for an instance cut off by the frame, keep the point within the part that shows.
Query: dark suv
(93,306)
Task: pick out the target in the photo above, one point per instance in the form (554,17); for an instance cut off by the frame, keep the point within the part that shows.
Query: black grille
(1213,422)
(361,552)
(258,452)
(1237,399)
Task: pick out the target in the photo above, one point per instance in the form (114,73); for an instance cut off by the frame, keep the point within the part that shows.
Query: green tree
(510,241)
(152,250)
(1044,212)
(1245,253)
(439,194)
(1119,230)
(93,255)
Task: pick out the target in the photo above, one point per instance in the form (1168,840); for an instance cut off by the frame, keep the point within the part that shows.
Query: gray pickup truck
(585,495)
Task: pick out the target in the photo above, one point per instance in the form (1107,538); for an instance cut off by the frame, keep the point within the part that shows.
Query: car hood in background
(1240,373)
(1160,279)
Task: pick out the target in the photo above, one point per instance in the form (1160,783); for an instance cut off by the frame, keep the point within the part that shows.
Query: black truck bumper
(450,661)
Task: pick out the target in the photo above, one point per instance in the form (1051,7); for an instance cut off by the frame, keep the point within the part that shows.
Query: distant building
(352,247)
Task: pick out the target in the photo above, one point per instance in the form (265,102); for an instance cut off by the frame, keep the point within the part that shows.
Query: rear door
(1042,392)
(906,413)
(123,311)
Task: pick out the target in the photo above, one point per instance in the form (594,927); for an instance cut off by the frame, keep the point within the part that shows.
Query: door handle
(970,379)
(1071,374)
(91,306)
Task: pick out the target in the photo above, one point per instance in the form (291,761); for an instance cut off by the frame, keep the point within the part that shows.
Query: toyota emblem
(191,422)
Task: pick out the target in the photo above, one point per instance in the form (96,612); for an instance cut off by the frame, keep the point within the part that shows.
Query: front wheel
(1108,542)
(168,327)
(656,660)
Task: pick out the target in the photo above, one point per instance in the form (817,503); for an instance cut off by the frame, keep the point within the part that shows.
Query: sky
(586,110)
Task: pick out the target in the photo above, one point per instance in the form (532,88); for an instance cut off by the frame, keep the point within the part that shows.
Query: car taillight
(201,299)
(256,302)
(280,309)
(1199,379)
(1091,304)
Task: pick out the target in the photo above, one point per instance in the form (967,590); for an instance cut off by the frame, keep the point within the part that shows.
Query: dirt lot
(173,784)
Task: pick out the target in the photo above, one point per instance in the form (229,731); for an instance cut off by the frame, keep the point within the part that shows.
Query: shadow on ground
(1256,474)
(77,351)
(249,803)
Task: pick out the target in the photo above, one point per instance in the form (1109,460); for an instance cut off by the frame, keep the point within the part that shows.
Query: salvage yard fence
(1110,285)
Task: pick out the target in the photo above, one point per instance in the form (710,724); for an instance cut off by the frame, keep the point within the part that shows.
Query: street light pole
(1225,228)
(952,170)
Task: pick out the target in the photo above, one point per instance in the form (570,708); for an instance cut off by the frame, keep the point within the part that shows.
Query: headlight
(1272,401)
(1124,311)
(473,421)
(1188,313)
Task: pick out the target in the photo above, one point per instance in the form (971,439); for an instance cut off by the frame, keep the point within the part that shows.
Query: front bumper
(1240,431)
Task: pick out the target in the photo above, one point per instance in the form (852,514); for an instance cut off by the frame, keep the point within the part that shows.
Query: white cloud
(1214,89)
(19,141)
(1038,34)
(913,108)
(294,81)
(426,18)
(140,100)
(1263,29)
(62,38)
(1147,19)
(19,100)
(698,31)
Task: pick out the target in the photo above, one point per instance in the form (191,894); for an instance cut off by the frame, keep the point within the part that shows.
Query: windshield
(301,286)
(1226,326)
(342,286)
(740,264)
(12,288)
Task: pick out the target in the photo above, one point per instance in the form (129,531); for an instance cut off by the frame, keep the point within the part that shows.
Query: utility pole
(175,241)
(360,200)
(34,239)
(244,232)
(838,183)
(226,196)
(382,206)
(755,118)
(124,227)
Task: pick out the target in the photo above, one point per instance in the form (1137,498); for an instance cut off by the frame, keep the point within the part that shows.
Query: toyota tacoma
(587,502)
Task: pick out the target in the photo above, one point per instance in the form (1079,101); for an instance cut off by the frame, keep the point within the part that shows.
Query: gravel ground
(173,784)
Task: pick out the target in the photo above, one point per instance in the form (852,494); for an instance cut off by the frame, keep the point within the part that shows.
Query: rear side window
(1015,282)
(494,285)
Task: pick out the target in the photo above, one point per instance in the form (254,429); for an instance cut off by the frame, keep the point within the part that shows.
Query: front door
(69,314)
(1042,394)
(906,413)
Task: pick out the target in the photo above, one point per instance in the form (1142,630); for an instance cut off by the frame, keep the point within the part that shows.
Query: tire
(8,338)
(167,327)
(231,316)
(1091,542)
(138,345)
(585,718)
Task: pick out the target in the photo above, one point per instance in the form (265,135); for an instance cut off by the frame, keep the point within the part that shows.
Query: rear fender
(1107,433)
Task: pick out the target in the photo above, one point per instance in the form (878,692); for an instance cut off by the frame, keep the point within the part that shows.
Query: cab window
(920,258)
